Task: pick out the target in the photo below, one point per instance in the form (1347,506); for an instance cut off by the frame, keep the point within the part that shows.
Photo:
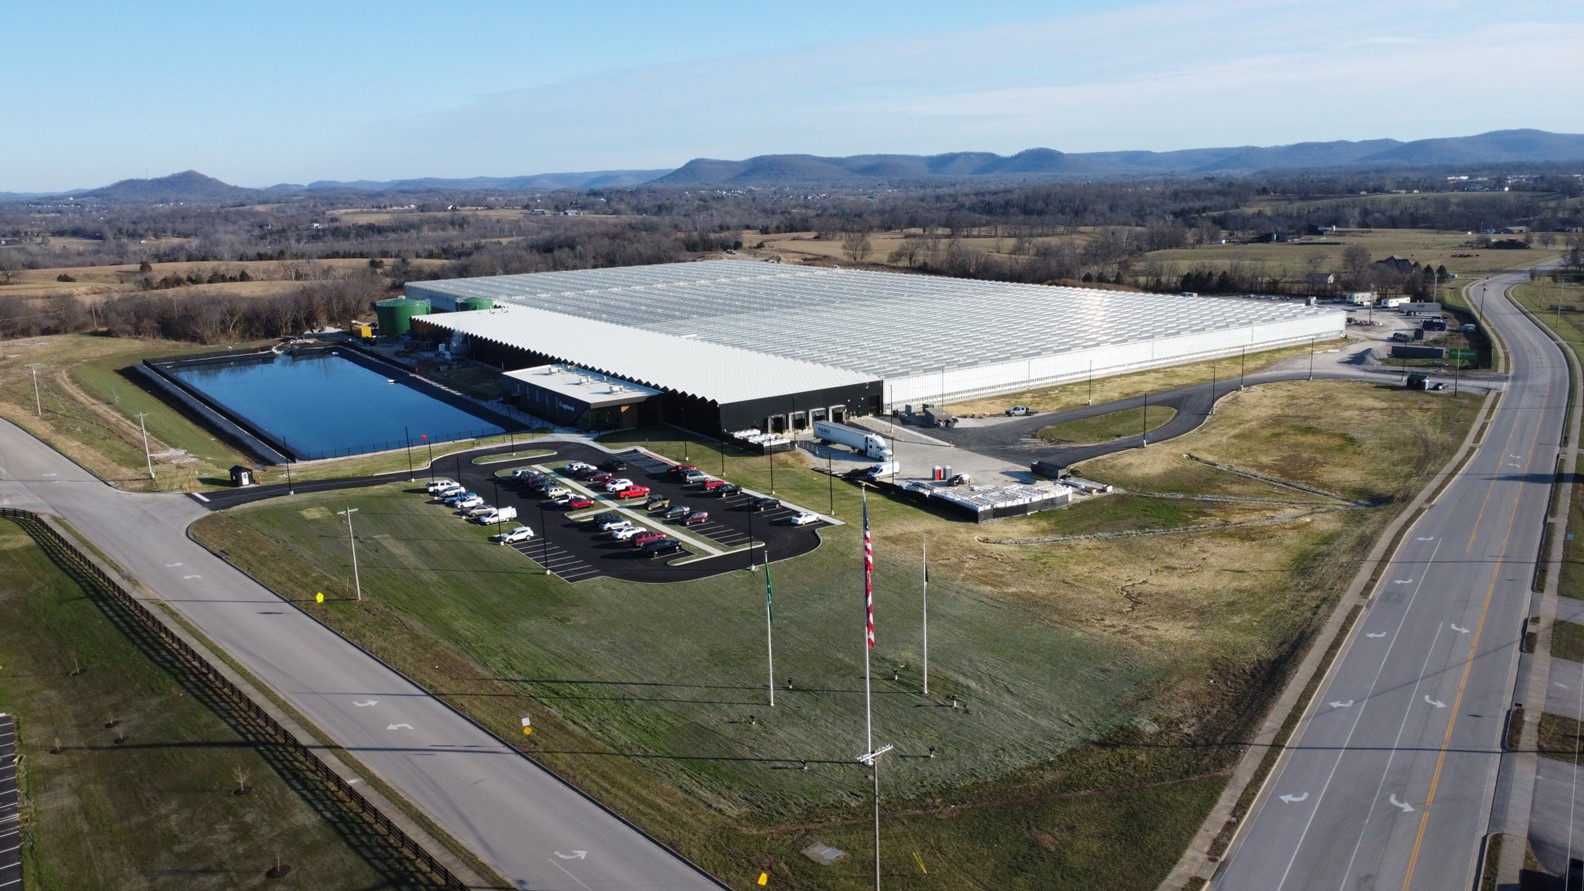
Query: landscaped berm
(1087,693)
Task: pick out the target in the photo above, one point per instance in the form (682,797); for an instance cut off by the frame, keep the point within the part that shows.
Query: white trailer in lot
(861,441)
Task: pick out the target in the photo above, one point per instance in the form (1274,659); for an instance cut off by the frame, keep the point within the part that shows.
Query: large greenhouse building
(735,344)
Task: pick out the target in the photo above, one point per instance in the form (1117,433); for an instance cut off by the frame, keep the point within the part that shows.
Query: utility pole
(357,584)
(1242,364)
(1311,356)
(146,456)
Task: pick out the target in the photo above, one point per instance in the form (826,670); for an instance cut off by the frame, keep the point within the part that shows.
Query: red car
(577,502)
(633,492)
(696,517)
(600,479)
(647,537)
(680,469)
(712,485)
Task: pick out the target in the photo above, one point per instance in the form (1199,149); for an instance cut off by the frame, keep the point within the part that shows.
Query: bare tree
(856,244)
(1357,265)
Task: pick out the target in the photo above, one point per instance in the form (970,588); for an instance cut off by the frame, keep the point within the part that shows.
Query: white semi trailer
(862,441)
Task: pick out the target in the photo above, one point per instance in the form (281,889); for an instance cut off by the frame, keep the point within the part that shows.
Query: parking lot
(568,542)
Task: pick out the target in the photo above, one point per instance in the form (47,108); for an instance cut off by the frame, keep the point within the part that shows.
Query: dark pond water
(322,405)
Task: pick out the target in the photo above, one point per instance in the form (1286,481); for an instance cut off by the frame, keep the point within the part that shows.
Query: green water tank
(395,315)
(471,304)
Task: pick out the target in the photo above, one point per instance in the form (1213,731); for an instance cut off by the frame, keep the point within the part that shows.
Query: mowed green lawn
(677,675)
(155,810)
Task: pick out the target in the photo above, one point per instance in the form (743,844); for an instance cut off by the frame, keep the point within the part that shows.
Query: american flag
(868,576)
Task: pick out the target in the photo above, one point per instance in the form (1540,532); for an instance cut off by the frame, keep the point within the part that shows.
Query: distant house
(1397,264)
(1320,281)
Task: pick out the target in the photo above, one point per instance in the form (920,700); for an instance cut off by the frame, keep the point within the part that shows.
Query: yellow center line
(1468,667)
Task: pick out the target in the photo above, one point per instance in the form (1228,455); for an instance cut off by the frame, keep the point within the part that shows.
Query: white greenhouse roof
(665,361)
(877,324)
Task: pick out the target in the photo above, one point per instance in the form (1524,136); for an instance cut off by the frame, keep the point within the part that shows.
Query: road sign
(1463,355)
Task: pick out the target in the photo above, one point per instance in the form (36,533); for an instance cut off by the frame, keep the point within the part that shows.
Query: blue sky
(288,91)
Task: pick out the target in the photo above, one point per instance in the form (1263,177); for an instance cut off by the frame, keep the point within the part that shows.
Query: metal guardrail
(50,538)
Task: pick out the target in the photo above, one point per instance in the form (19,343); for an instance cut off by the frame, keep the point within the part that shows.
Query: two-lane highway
(1388,781)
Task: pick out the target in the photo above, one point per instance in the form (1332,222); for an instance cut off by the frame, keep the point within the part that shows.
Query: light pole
(1144,436)
(357,584)
(771,455)
(1212,386)
(425,438)
(830,482)
(1091,382)
(750,541)
(1311,356)
(146,456)
(1242,364)
(407,437)
(873,760)
(38,406)
(544,540)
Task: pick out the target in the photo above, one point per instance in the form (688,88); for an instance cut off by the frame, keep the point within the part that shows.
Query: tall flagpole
(871,756)
(769,622)
(869,639)
(925,547)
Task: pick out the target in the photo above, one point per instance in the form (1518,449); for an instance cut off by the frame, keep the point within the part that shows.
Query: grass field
(147,803)
(1100,681)
(1567,641)
(269,277)
(1106,427)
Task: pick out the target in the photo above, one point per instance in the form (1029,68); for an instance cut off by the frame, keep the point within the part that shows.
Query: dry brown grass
(97,283)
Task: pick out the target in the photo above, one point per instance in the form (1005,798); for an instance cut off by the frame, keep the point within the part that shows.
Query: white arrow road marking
(1426,538)
(185,577)
(1294,799)
(366,703)
(1434,702)
(400,727)
(172,565)
(1402,581)
(1376,634)
(1460,629)
(1406,807)
(1337,703)
(575,855)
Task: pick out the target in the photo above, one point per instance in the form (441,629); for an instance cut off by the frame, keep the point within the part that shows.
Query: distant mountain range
(1497,147)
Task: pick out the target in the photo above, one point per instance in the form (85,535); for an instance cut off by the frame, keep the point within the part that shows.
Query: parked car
(600,478)
(1438,385)
(657,502)
(803,518)
(456,498)
(644,538)
(617,485)
(521,533)
(680,469)
(765,502)
(614,465)
(626,533)
(712,485)
(435,487)
(450,491)
(694,476)
(632,492)
(525,473)
(555,492)
(610,517)
(679,512)
(662,546)
(494,516)
(468,504)
(1018,411)
(724,491)
(578,502)
(696,517)
(578,469)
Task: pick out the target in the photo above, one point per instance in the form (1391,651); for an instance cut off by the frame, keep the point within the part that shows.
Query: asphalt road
(535,830)
(1389,779)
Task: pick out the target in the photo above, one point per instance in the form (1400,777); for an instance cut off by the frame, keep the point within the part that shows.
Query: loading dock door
(816,415)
